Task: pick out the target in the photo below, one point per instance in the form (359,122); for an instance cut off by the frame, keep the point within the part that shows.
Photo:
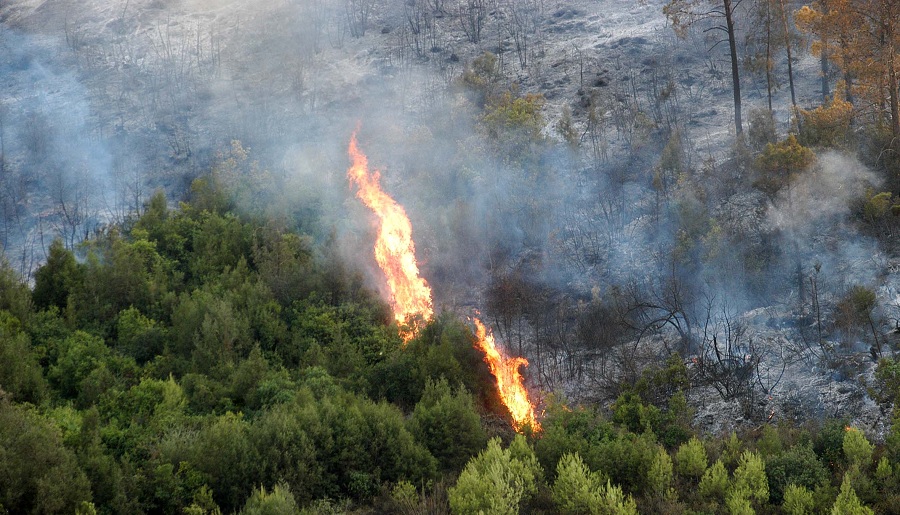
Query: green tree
(847,503)
(495,482)
(691,459)
(38,474)
(798,500)
(714,483)
(447,424)
(279,501)
(857,449)
(58,278)
(576,489)
(21,376)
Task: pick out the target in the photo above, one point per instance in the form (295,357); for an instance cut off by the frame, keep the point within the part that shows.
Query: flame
(395,251)
(509,380)
(411,295)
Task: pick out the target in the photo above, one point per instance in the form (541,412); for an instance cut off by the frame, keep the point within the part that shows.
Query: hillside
(189,267)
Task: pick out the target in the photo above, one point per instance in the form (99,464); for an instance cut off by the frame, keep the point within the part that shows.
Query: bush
(447,425)
(576,489)
(691,460)
(497,481)
(279,501)
(828,125)
(799,466)
(798,501)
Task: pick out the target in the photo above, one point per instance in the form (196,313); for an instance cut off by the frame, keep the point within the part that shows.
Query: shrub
(691,460)
(497,481)
(576,489)
(798,501)
(798,466)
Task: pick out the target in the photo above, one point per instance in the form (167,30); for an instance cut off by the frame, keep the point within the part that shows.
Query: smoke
(814,217)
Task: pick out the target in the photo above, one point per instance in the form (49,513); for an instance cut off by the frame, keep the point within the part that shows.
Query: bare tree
(685,13)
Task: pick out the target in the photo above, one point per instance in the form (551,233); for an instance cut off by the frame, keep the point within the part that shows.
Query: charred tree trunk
(790,63)
(735,65)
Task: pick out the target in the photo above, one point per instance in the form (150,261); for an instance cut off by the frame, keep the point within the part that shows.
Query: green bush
(691,460)
(798,466)
(798,501)
(446,423)
(497,481)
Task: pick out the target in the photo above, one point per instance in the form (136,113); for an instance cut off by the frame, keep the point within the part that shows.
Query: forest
(677,220)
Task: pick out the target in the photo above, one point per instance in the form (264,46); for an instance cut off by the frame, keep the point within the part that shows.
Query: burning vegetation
(411,297)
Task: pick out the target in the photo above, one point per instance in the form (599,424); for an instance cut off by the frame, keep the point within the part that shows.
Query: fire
(411,295)
(509,380)
(395,251)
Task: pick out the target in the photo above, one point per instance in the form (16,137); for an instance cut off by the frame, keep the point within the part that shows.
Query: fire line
(410,299)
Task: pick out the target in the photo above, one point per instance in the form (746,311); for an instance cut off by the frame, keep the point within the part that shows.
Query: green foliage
(79,355)
(38,474)
(781,162)
(483,77)
(857,448)
(578,430)
(798,501)
(57,278)
(828,125)
(139,336)
(714,483)
(691,460)
(447,424)
(21,376)
(279,501)
(798,466)
(847,503)
(576,489)
(496,481)
(750,478)
(510,116)
(659,476)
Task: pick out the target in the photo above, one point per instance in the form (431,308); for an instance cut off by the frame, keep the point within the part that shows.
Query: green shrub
(691,460)
(798,501)
(714,483)
(496,481)
(798,466)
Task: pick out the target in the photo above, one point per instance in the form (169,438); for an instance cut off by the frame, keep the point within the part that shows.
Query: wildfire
(411,295)
(509,380)
(395,251)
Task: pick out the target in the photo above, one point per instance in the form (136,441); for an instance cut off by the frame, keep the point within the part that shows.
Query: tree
(847,503)
(57,278)
(691,460)
(447,424)
(497,481)
(867,33)
(685,13)
(38,474)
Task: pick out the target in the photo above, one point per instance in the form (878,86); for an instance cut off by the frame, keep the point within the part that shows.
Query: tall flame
(509,381)
(395,251)
(411,295)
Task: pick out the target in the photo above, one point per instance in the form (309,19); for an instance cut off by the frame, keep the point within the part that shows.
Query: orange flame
(395,251)
(509,380)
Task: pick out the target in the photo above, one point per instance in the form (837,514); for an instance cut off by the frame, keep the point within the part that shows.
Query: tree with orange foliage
(863,38)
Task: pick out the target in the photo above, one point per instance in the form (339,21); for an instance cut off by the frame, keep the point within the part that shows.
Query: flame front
(509,381)
(395,251)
